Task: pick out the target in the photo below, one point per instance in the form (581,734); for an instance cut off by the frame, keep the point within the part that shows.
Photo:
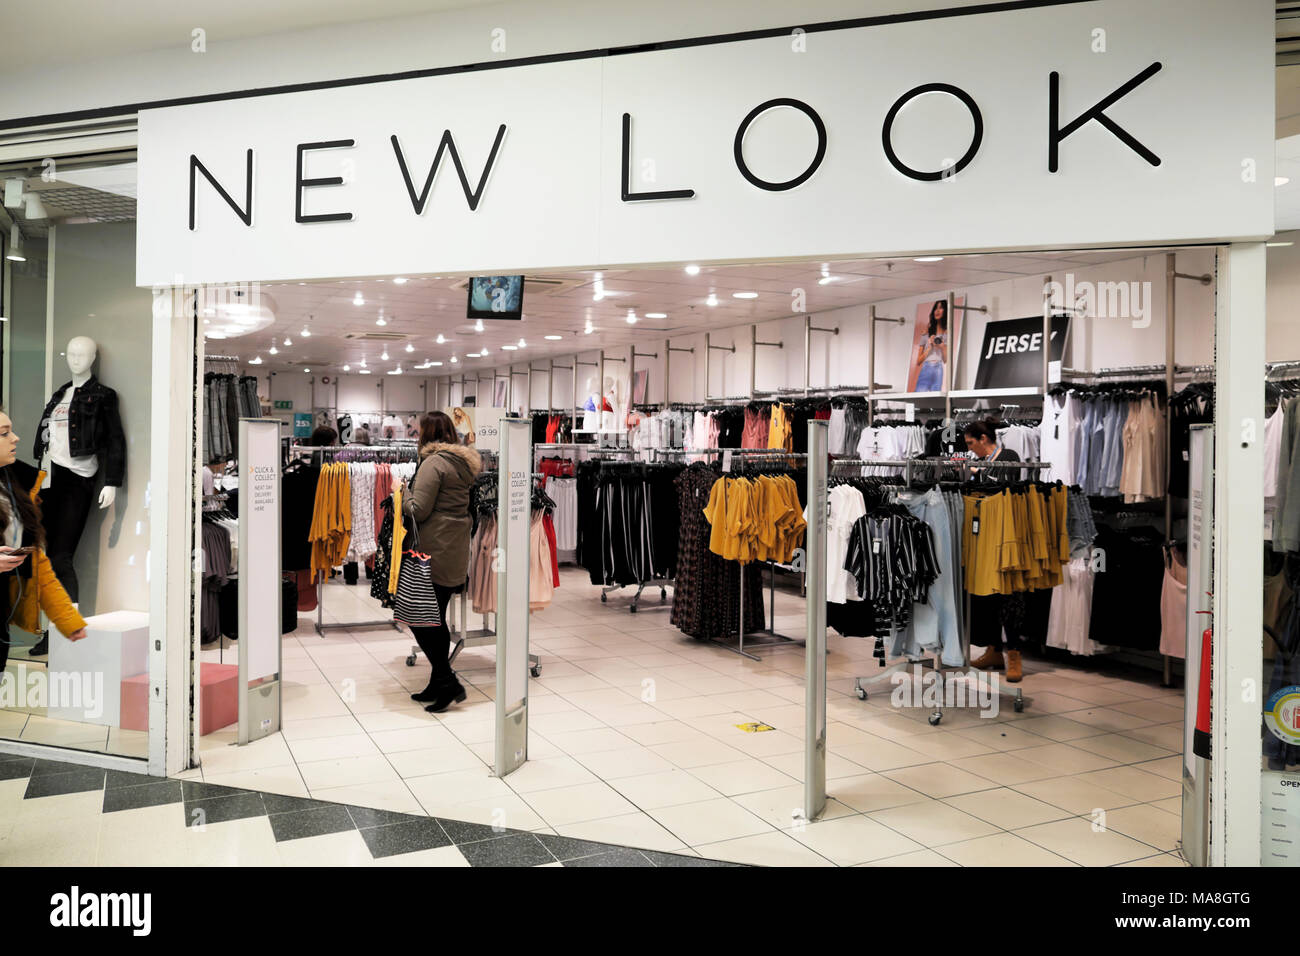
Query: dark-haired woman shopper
(991,614)
(28,584)
(436,509)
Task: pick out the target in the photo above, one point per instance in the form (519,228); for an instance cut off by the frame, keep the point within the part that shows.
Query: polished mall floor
(636,742)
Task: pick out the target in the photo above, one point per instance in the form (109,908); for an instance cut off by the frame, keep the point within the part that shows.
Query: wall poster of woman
(933,344)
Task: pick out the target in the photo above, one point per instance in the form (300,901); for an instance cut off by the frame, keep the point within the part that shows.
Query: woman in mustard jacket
(27,581)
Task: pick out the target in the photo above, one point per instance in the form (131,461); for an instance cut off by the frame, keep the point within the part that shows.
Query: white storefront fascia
(1153,148)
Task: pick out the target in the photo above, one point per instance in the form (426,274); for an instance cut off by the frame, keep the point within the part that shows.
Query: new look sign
(1065,125)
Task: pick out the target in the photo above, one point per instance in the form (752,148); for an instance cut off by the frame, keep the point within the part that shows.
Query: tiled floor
(30,724)
(61,814)
(634,741)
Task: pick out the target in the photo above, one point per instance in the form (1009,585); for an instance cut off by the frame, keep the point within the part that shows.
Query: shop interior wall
(83,78)
(1283,336)
(27,324)
(94,294)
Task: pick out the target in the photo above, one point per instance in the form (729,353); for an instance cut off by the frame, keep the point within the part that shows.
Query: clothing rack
(408,453)
(933,661)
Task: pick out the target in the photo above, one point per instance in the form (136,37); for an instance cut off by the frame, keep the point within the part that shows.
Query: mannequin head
(591,385)
(81,354)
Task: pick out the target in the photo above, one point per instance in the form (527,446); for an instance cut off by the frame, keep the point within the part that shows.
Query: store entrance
(655,696)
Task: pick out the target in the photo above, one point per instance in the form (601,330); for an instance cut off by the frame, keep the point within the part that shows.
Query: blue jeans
(935,622)
(930,378)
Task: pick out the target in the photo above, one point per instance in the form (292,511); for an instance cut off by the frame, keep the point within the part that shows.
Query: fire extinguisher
(1201,733)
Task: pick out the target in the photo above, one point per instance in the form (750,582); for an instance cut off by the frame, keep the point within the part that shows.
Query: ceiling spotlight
(274,350)
(398,370)
(306,332)
(385,355)
(599,276)
(711,301)
(478,325)
(358,300)
(692,270)
(928,259)
(381,320)
(631,317)
(523,344)
(744,295)
(454,360)
(287,341)
(306,370)
(363,361)
(364,371)
(656,315)
(484,351)
(441,338)
(255,360)
(598,291)
(410,347)
(588,330)
(435,363)
(553,338)
(347,368)
(509,348)
(399,280)
(15,253)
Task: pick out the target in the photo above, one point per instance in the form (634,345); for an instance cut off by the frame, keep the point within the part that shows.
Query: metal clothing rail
(934,660)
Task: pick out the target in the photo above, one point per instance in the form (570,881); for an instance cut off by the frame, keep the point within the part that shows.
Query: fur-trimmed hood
(465,458)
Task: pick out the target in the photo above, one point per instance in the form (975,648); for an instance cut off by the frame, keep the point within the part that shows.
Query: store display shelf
(1021,392)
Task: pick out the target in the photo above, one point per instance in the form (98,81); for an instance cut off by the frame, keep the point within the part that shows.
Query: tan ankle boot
(1015,670)
(991,658)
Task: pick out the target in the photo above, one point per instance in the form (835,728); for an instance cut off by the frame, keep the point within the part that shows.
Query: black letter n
(245,214)
(1056,133)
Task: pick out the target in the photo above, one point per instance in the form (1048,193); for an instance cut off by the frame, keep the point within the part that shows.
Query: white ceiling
(423,307)
(138,26)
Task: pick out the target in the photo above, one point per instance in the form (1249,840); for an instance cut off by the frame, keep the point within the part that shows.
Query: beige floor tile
(665,789)
(1057,728)
(1002,736)
(431,760)
(1168,736)
(148,836)
(1004,768)
(65,806)
(247,842)
(393,720)
(294,730)
(578,742)
(330,849)
(1002,849)
(283,780)
(1109,719)
(1078,840)
(1067,758)
(946,746)
(697,753)
(1006,808)
(1160,859)
(710,821)
(412,738)
(1143,787)
(1149,824)
(764,849)
(792,765)
(510,812)
(661,732)
(395,796)
(1159,710)
(918,858)
(872,791)
(458,786)
(549,773)
(880,755)
(634,829)
(850,840)
(436,857)
(574,804)
(1121,748)
(939,779)
(272,751)
(932,823)
(742,776)
(345,771)
(632,761)
(1075,794)
(333,748)
(64,733)
(1171,767)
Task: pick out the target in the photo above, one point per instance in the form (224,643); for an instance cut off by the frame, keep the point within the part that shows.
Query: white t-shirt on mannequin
(59,452)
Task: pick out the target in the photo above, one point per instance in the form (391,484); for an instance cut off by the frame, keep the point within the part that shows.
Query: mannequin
(595,405)
(79,438)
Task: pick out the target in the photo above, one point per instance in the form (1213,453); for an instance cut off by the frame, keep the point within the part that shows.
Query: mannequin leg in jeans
(443,687)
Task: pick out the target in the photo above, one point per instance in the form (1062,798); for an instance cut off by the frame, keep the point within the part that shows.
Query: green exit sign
(287,405)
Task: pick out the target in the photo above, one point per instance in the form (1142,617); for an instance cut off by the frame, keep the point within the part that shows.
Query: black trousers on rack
(435,642)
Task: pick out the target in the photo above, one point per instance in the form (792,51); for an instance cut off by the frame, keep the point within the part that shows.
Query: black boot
(449,693)
(430,693)
(41,647)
